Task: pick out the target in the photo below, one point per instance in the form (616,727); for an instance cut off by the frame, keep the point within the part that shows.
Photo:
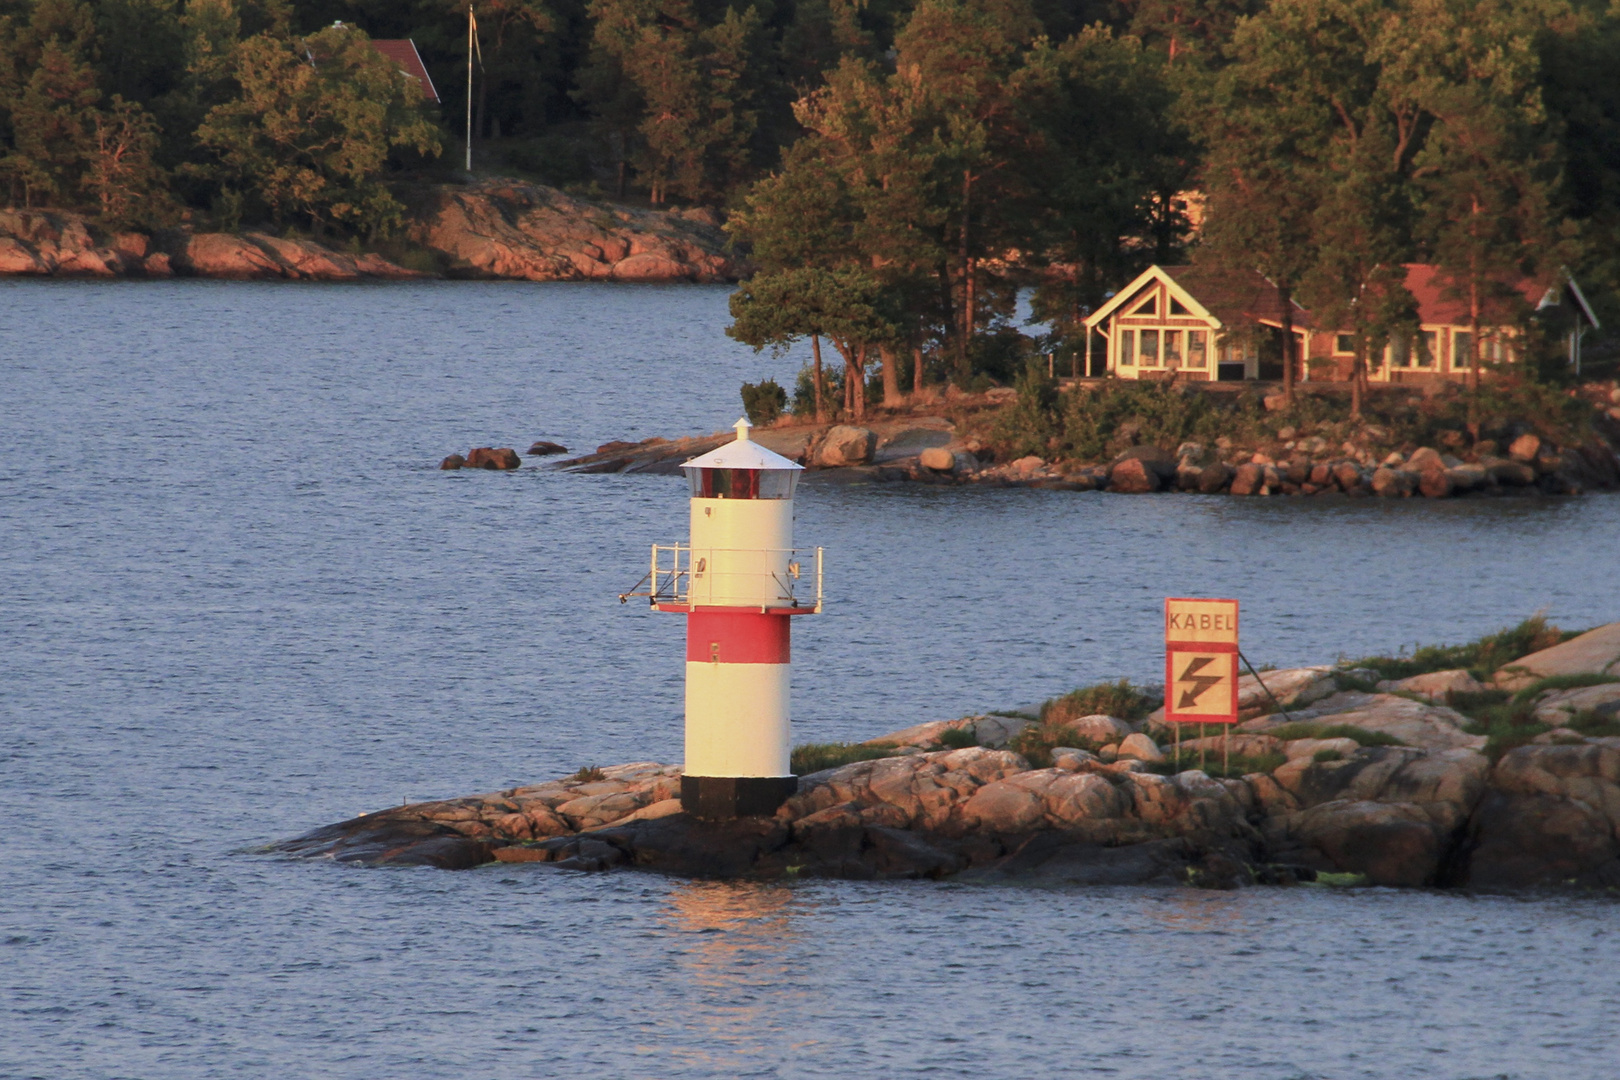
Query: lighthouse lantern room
(738,581)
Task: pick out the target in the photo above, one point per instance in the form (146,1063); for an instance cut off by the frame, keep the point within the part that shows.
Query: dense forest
(898,169)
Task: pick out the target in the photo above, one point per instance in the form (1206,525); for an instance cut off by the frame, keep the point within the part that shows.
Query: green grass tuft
(1237,767)
(1481,658)
(1322,756)
(1119,699)
(814,757)
(958,738)
(1562,682)
(589,774)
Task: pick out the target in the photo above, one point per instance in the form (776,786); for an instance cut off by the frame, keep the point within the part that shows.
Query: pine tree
(313,128)
(1488,171)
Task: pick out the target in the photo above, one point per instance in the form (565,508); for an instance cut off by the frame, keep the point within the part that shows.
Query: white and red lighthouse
(739,581)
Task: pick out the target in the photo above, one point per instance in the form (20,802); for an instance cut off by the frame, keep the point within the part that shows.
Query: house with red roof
(1201,324)
(402,51)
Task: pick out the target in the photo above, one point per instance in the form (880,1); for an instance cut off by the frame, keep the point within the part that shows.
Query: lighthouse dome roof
(744,453)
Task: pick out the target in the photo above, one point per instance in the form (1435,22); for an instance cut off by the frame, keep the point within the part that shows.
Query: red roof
(402,51)
(1439,304)
(1236,297)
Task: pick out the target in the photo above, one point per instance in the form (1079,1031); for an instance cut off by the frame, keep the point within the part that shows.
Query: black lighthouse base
(720,798)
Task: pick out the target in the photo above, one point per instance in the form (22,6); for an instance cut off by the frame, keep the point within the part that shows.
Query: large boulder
(1248,479)
(1391,813)
(845,445)
(1525,448)
(489,457)
(1214,479)
(222,255)
(937,458)
(1414,723)
(1434,483)
(1469,478)
(1140,747)
(1596,652)
(1423,459)
(1288,687)
(1551,816)
(1133,477)
(1393,483)
(1511,473)
(1434,685)
(1096,729)
(1558,707)
(1161,461)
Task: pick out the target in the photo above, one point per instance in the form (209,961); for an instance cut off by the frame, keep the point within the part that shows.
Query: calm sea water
(237,600)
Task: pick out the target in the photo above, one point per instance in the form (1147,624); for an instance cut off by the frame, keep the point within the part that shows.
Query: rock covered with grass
(1438,767)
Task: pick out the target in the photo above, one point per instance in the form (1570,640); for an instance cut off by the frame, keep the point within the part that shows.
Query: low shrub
(1300,730)
(1234,767)
(589,774)
(1508,721)
(1035,743)
(1327,755)
(1119,699)
(958,738)
(814,757)
(1594,724)
(763,401)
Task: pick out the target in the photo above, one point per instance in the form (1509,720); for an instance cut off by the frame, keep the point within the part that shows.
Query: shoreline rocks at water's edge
(494,229)
(921,445)
(1434,810)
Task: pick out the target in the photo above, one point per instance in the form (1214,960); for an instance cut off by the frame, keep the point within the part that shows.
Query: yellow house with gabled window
(1196,323)
(1202,324)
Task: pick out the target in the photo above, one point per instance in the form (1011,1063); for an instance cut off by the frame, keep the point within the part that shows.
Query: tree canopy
(949,153)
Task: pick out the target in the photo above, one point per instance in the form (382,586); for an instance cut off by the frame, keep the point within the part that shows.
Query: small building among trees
(402,51)
(1203,324)
(1197,322)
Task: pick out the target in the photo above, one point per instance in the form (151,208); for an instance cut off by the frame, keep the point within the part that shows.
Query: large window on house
(1428,348)
(1149,350)
(1197,357)
(1462,350)
(1148,306)
(1178,308)
(1344,344)
(1127,348)
(1399,351)
(1172,348)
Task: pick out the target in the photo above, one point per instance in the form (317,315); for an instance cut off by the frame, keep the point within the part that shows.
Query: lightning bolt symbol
(1200,682)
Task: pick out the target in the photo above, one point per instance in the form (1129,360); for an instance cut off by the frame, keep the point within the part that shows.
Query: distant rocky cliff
(494,229)
(506,229)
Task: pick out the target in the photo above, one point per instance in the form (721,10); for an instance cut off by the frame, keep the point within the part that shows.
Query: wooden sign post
(1201,666)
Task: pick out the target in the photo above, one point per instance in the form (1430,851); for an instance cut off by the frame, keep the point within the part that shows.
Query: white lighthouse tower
(739,582)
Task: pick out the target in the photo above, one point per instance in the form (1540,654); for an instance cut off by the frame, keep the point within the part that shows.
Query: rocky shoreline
(1379,780)
(926,446)
(494,229)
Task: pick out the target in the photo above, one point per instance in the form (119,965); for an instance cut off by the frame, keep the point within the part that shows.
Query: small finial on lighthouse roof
(743,427)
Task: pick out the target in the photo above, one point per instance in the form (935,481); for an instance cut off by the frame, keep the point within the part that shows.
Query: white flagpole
(469,82)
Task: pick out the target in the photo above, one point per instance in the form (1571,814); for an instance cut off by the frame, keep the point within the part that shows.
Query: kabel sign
(1200,661)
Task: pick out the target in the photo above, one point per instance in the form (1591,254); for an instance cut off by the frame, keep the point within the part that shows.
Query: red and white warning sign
(1200,661)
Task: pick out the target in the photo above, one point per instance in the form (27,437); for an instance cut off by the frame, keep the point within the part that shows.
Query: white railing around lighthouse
(683,576)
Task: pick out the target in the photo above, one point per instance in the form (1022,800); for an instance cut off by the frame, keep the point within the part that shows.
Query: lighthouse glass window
(742,483)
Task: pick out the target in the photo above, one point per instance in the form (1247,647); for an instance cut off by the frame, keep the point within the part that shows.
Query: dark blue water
(237,600)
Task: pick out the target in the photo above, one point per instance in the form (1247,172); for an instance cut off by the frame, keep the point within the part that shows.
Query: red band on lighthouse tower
(737,637)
